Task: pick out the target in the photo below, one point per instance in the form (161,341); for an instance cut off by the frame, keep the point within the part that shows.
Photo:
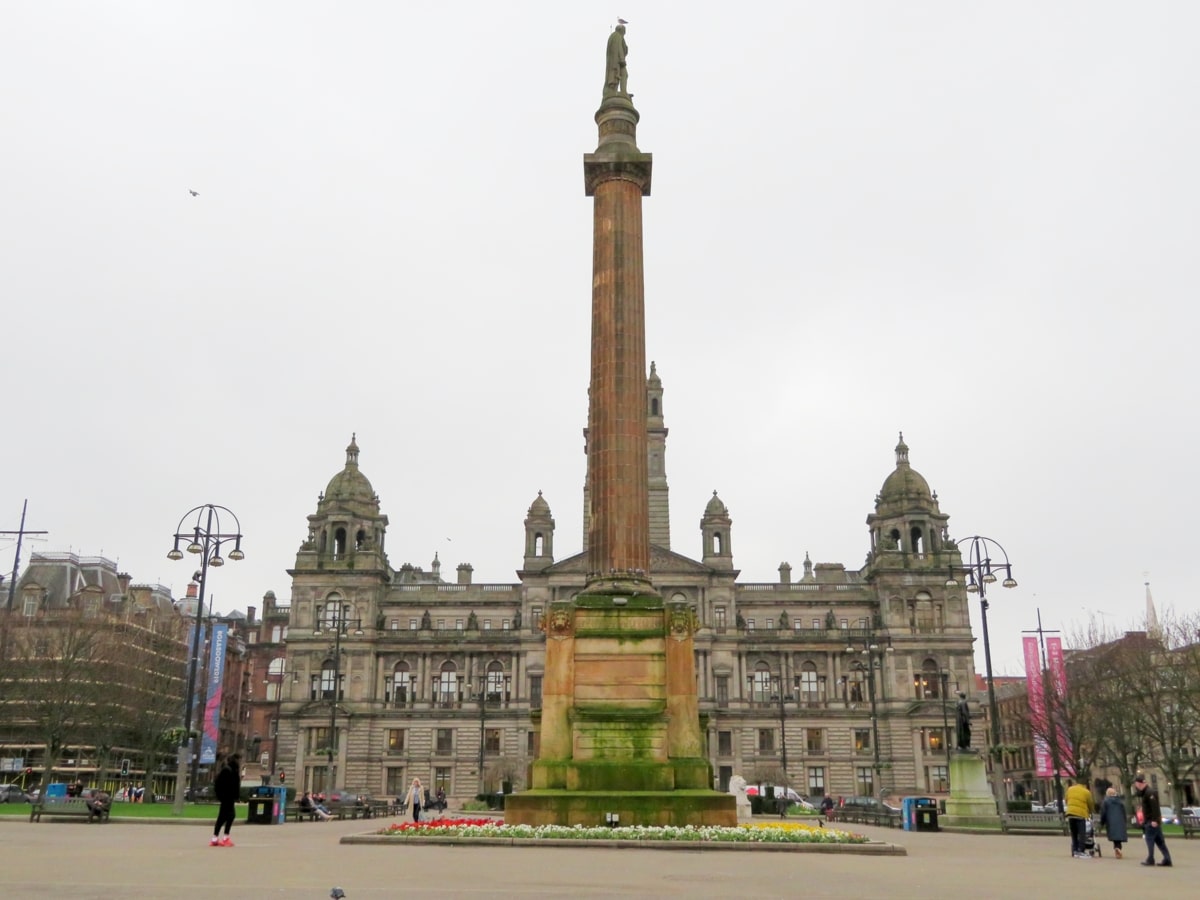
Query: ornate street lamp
(205,538)
(875,656)
(981,567)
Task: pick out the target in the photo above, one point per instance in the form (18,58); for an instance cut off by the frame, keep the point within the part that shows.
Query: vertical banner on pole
(212,703)
(1058,686)
(1037,708)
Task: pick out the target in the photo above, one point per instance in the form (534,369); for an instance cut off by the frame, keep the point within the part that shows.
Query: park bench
(293,811)
(76,807)
(1046,823)
(885,818)
(1190,825)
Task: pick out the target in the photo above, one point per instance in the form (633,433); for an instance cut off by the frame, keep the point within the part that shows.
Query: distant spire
(352,451)
(1153,630)
(902,452)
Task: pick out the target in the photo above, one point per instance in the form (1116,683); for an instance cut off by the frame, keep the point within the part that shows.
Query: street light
(205,538)
(875,656)
(278,708)
(341,626)
(980,571)
(781,698)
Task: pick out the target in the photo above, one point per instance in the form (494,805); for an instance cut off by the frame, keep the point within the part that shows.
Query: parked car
(1190,811)
(1168,816)
(760,790)
(13,793)
(869,804)
(347,798)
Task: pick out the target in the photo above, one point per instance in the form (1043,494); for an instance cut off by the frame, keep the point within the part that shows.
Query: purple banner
(212,703)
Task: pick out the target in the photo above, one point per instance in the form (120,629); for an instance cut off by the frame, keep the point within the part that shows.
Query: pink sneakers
(225,842)
(214,842)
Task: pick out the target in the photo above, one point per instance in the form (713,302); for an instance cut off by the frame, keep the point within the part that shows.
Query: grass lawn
(139,810)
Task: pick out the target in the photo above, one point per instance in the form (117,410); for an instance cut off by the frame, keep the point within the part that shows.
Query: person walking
(416,796)
(1151,821)
(1080,806)
(1113,820)
(227,787)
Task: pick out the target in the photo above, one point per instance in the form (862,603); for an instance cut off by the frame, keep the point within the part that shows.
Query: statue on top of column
(616,76)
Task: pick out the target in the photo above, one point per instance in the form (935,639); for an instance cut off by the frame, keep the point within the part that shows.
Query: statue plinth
(971,803)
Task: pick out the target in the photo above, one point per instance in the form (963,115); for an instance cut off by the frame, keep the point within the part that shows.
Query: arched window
(333,612)
(329,677)
(917,541)
(360,539)
(928,682)
(538,542)
(716,543)
(445,686)
(810,685)
(654,406)
(402,687)
(857,685)
(760,684)
(496,687)
(275,668)
(339,544)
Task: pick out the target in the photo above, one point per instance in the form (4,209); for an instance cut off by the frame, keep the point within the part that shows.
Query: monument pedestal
(971,803)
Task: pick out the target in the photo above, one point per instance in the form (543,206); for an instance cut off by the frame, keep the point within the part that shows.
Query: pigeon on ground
(337,893)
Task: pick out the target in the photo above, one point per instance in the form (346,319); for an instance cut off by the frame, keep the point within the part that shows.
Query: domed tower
(907,519)
(539,535)
(714,529)
(347,530)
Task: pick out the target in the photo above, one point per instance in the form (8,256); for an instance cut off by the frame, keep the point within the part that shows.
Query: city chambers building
(834,681)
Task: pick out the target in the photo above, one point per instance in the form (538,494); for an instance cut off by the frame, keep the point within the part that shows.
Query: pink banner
(1058,684)
(1037,708)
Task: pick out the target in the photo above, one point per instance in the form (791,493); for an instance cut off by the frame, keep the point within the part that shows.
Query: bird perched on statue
(193,193)
(622,22)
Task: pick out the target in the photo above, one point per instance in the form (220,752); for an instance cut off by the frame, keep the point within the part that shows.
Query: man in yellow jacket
(1080,806)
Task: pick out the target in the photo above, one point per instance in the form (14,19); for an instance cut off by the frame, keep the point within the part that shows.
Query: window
(316,778)
(412,624)
(724,743)
(766,740)
(491,741)
(327,679)
(858,680)
(760,685)
(770,624)
(814,740)
(749,624)
(395,740)
(796,624)
(719,620)
(496,688)
(30,605)
(441,624)
(458,624)
(535,691)
(396,784)
(403,685)
(723,691)
(276,634)
(445,741)
(441,779)
(395,624)
(533,744)
(816,624)
(816,780)
(810,685)
(862,740)
(445,686)
(864,781)
(535,618)
(505,625)
(487,624)
(934,740)
(318,740)
(927,682)
(938,778)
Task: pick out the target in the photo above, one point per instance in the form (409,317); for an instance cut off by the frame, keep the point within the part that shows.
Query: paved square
(71,859)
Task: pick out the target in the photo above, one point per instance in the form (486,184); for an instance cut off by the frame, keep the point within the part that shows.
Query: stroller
(1090,847)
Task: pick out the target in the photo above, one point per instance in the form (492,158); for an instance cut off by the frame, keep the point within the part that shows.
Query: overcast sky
(974,222)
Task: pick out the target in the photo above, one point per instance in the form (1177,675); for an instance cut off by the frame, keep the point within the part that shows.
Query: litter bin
(266,806)
(927,818)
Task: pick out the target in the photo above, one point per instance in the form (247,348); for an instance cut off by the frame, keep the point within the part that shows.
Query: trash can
(266,806)
(927,818)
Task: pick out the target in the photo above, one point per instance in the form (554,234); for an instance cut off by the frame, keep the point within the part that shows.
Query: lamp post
(340,624)
(875,655)
(782,698)
(980,569)
(483,697)
(278,712)
(206,537)
(945,719)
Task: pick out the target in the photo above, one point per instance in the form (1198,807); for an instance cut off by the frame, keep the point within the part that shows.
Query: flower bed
(782,833)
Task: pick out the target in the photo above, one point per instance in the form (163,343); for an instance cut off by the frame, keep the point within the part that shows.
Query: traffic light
(28,771)
(282,776)
(124,768)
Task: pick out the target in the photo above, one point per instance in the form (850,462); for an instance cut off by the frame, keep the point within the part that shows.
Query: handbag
(1140,816)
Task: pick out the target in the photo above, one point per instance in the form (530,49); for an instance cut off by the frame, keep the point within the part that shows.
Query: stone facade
(427,677)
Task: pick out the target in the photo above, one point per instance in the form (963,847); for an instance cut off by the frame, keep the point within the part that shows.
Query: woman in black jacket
(1114,820)
(227,787)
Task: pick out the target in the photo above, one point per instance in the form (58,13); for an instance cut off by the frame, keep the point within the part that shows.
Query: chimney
(123,579)
(268,603)
(193,591)
(464,573)
(250,611)
(785,573)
